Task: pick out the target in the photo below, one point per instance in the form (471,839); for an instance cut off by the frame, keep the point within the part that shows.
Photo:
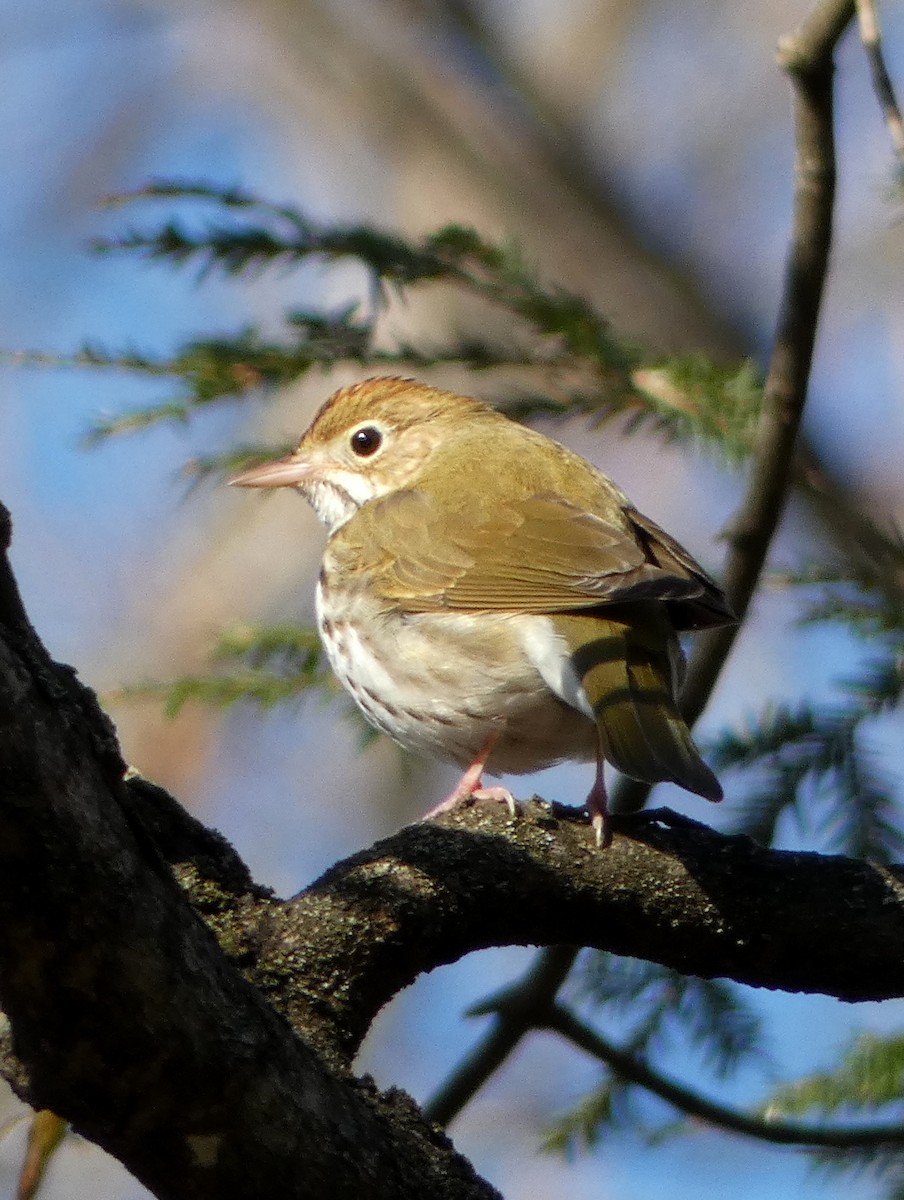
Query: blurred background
(640,152)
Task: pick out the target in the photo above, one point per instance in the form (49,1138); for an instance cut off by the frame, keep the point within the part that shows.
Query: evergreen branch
(809,737)
(797,749)
(89,357)
(865,818)
(473,353)
(856,594)
(874,551)
(174,189)
(662,1004)
(261,688)
(757,813)
(238,250)
(137,420)
(842,604)
(454,253)
(682,397)
(691,396)
(227,368)
(633,1070)
(883,1164)
(605,1108)
(262,665)
(870,1075)
(296,648)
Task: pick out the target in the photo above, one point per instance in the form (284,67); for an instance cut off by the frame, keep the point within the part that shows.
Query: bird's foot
(473,793)
(470,789)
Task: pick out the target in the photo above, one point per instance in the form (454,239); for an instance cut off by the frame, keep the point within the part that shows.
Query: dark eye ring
(366,441)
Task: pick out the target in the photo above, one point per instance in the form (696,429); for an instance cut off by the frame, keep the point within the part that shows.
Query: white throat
(336,500)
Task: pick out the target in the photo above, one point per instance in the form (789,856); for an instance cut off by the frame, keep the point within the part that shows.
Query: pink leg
(469,786)
(598,808)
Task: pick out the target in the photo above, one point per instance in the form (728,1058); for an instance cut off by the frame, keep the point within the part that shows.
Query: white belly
(442,683)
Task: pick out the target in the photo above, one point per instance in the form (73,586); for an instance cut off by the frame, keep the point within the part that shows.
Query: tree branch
(868,20)
(517,1013)
(668,890)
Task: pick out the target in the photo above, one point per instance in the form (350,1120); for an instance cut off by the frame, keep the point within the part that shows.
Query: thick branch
(668,889)
(674,892)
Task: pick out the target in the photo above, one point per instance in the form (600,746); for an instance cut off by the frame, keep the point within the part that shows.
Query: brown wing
(534,554)
(706,609)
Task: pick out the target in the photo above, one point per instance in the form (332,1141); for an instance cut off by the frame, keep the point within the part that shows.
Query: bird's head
(366,441)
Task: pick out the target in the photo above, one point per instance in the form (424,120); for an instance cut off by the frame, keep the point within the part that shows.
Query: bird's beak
(282,472)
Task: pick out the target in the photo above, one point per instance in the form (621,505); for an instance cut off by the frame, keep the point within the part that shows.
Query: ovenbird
(488,597)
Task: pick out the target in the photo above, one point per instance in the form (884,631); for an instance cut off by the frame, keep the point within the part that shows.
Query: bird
(490,598)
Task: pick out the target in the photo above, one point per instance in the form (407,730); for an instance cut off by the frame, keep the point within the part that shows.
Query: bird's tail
(629,671)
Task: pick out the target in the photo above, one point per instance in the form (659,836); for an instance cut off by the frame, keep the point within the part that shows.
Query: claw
(500,794)
(598,808)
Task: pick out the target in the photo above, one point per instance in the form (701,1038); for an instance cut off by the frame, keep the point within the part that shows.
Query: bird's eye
(366,441)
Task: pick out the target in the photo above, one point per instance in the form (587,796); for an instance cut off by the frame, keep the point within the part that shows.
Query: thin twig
(516,1015)
(787,1133)
(871,36)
